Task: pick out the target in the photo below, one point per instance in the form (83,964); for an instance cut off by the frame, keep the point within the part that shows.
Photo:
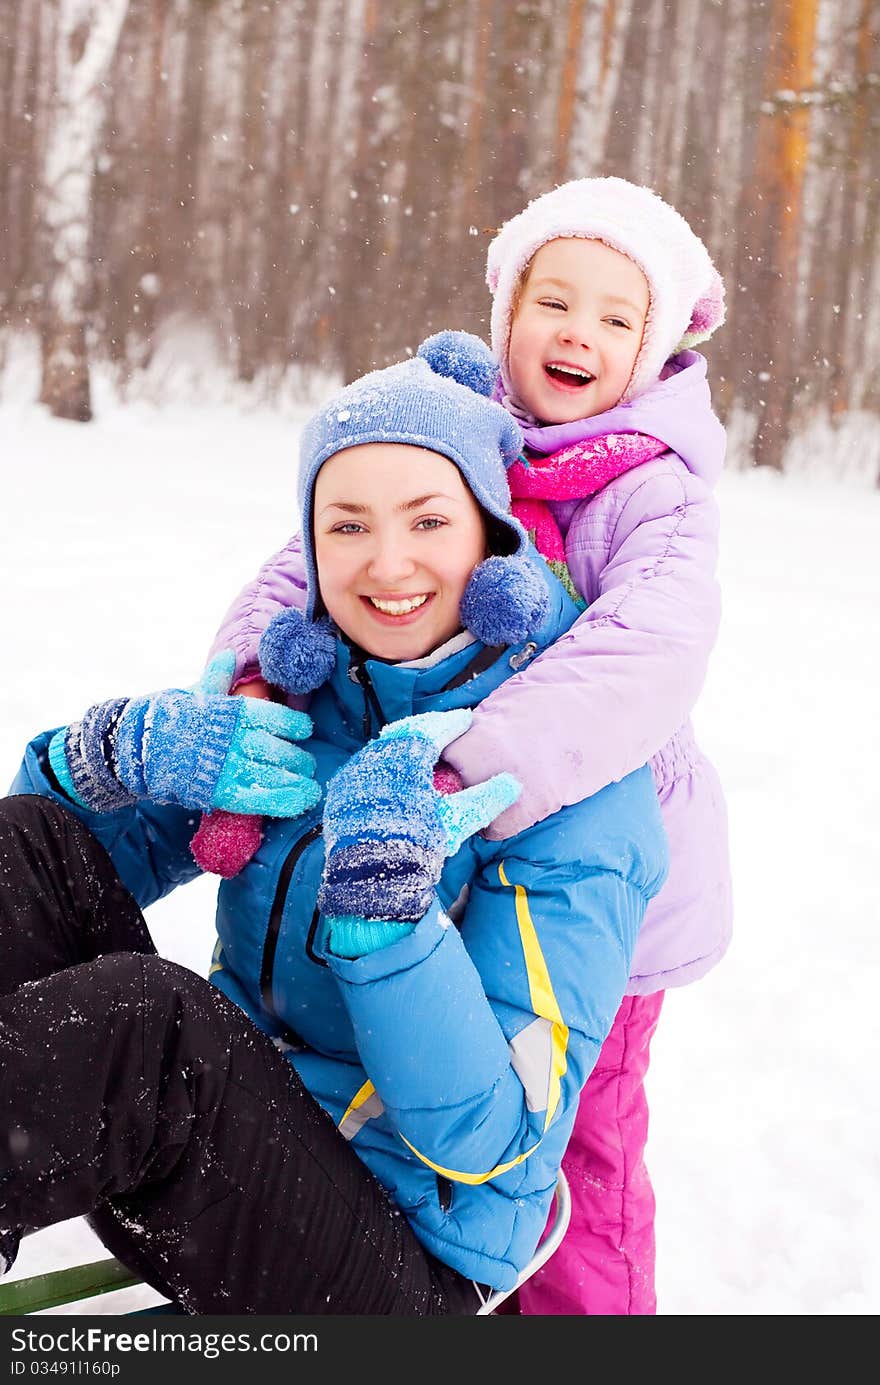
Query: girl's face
(397,534)
(577,330)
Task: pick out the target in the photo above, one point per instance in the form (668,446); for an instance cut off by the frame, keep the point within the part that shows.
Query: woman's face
(397,534)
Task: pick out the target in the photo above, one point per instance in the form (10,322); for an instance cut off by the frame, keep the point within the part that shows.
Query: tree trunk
(19,150)
(567,82)
(88,32)
(781,155)
(859,196)
(355,349)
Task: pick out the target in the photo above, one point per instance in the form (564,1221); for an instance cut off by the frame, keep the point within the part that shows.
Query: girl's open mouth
(570,376)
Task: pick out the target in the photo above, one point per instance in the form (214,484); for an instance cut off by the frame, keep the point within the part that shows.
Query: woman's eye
(431,522)
(349,527)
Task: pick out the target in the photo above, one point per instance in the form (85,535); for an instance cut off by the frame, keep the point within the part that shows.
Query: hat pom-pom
(296,654)
(708,314)
(463,357)
(505,600)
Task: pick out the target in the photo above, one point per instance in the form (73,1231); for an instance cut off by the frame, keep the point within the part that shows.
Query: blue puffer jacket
(454,1058)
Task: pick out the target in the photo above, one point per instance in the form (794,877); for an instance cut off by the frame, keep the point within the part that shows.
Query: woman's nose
(391,562)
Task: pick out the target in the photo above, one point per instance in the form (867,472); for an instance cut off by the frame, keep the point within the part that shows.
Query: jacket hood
(677,410)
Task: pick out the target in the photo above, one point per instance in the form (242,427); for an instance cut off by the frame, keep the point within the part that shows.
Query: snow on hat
(439,399)
(687,294)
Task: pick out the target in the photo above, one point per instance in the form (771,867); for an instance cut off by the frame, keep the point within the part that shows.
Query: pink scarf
(573,473)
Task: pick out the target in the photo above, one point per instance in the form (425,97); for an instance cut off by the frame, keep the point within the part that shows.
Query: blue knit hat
(439,399)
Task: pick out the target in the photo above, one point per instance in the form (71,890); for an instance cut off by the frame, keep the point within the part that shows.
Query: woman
(401,1014)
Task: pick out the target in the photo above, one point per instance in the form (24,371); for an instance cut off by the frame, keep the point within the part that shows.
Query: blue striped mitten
(388,831)
(195,747)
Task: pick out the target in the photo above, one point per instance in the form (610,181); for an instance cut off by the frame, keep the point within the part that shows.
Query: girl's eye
(430,522)
(350,526)
(552,303)
(617,322)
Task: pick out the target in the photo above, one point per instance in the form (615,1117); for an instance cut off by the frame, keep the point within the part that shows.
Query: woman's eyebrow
(352,507)
(349,506)
(421,500)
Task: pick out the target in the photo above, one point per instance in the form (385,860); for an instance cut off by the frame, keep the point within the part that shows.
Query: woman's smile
(398,610)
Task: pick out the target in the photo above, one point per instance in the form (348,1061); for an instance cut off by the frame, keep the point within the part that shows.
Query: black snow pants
(133,1093)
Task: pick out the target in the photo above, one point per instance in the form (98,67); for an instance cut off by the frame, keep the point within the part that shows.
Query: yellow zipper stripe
(361,1095)
(543,999)
(545,1006)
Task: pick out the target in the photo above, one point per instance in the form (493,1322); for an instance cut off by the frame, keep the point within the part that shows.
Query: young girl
(599,291)
(366,1111)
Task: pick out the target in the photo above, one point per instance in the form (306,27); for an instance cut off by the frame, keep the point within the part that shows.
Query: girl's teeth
(578,376)
(398,608)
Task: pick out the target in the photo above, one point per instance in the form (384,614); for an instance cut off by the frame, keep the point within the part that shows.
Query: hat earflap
(505,600)
(297,654)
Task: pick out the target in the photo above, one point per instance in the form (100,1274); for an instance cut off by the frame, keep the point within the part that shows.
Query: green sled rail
(59,1287)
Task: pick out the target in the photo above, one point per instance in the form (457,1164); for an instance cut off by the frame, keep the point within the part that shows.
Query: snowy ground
(122,543)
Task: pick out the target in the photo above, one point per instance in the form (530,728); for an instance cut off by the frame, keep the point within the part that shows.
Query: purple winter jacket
(618,689)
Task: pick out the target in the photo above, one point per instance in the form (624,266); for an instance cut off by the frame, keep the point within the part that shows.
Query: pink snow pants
(605,1265)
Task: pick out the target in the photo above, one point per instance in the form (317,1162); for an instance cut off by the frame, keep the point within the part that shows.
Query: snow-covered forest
(315,183)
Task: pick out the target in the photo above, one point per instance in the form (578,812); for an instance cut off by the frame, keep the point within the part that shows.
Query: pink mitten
(225,842)
(446,779)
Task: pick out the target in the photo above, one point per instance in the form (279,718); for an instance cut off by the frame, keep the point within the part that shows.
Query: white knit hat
(687,294)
